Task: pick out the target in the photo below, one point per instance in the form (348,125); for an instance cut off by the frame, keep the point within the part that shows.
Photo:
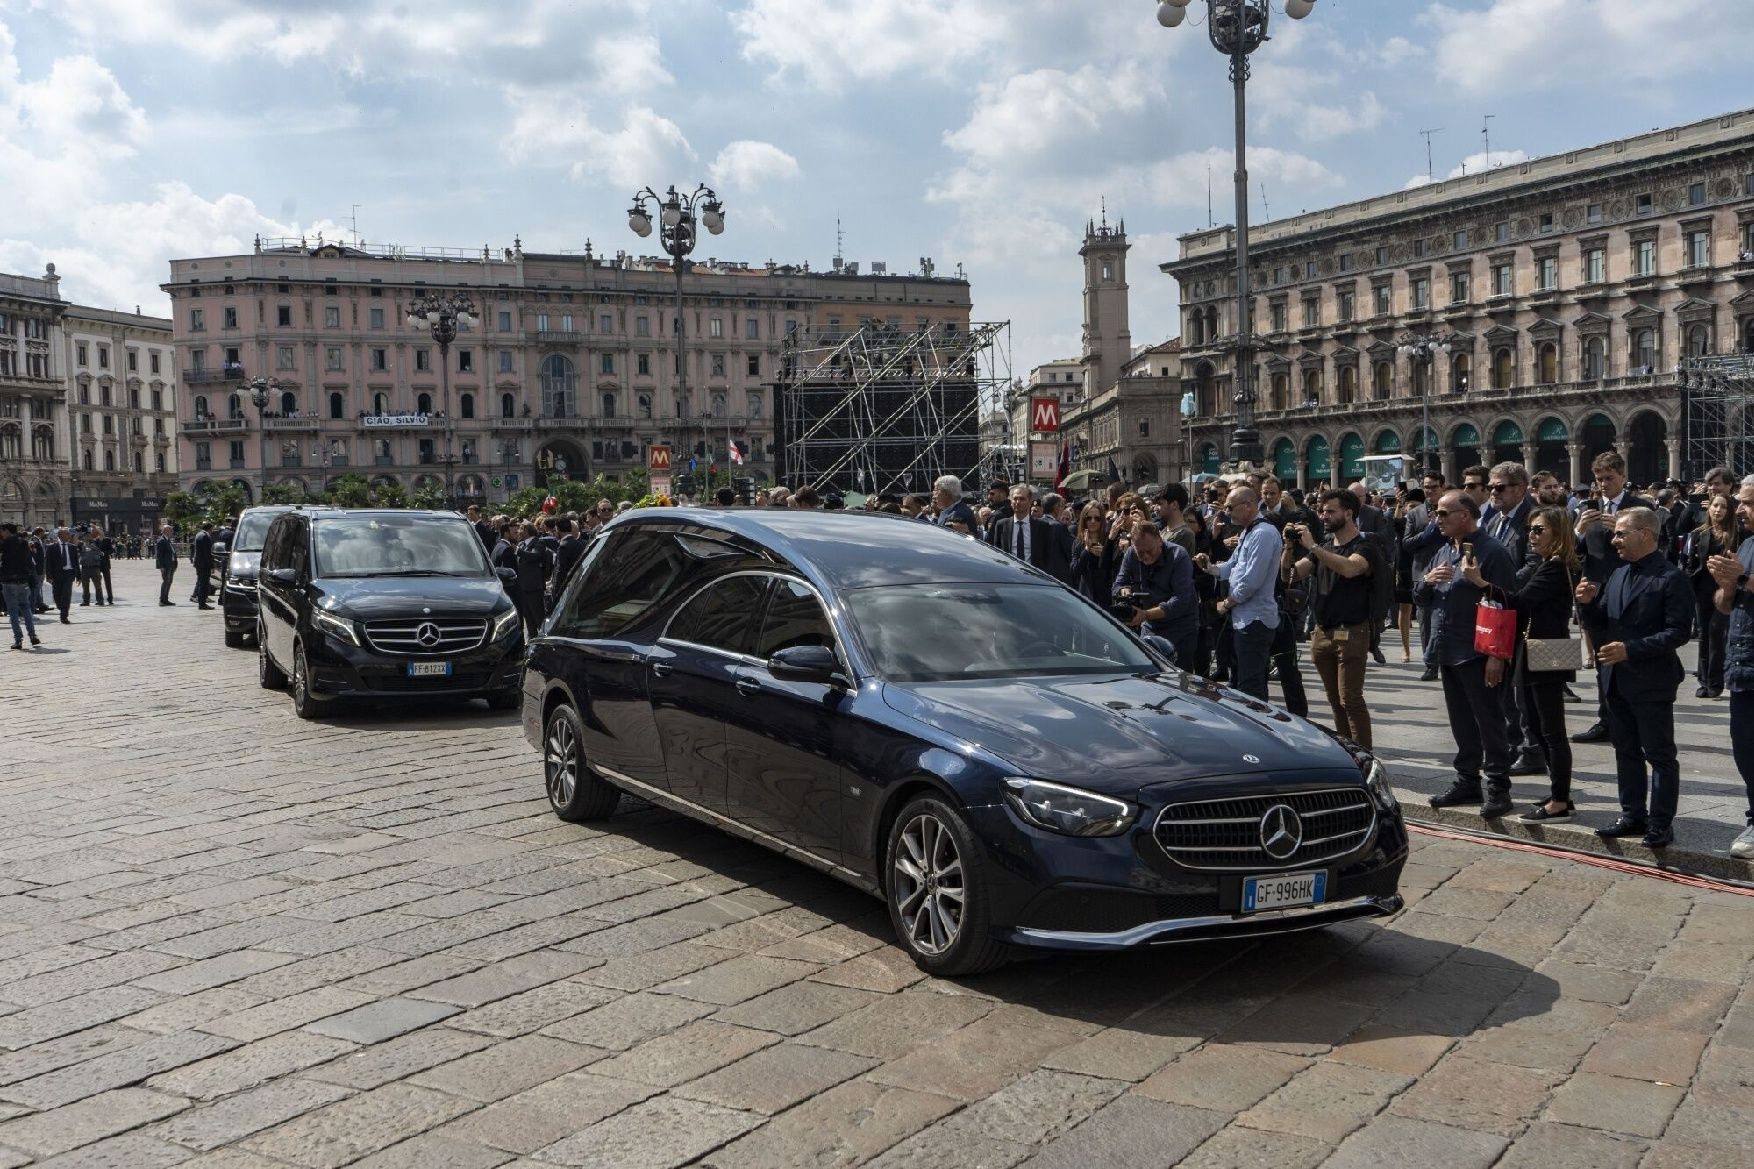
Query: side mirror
(507,573)
(807,663)
(283,576)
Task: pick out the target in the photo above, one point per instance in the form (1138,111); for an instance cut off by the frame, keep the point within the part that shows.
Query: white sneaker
(1744,845)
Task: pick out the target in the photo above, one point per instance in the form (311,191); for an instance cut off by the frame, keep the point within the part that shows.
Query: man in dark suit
(202,556)
(1507,521)
(1638,622)
(1595,531)
(482,527)
(164,554)
(107,546)
(61,559)
(1031,539)
(534,563)
(567,555)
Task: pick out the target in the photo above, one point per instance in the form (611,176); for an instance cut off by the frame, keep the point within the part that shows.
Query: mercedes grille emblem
(428,635)
(1281,832)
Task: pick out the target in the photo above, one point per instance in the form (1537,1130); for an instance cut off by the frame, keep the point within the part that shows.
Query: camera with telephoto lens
(1125,605)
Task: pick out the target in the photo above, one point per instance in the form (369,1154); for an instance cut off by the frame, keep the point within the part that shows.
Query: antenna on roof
(1430,172)
(839,244)
(355,225)
(1266,208)
(1486,137)
(1208,194)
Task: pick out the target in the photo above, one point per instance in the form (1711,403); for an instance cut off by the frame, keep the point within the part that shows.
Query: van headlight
(1068,810)
(1376,782)
(336,625)
(504,624)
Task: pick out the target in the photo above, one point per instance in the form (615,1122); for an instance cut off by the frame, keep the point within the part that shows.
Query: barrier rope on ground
(1612,864)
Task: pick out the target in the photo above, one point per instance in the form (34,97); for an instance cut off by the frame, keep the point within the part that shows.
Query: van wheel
(935,886)
(233,639)
(270,675)
(574,792)
(304,704)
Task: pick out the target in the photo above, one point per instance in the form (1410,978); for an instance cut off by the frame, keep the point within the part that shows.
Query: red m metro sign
(1044,415)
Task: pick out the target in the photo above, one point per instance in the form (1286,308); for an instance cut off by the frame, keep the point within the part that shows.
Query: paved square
(231,939)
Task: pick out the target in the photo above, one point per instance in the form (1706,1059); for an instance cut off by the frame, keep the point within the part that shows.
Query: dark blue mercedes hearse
(925,717)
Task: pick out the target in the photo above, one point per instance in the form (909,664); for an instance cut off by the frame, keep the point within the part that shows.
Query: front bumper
(1120,892)
(238,602)
(339,669)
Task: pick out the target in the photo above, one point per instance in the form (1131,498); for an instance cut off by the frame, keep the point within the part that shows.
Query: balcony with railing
(225,373)
(557,337)
(214,425)
(304,420)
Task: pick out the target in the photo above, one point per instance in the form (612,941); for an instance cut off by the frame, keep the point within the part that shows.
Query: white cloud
(1473,165)
(750,164)
(829,45)
(558,128)
(1034,113)
(1319,123)
(1526,45)
(629,64)
(1399,50)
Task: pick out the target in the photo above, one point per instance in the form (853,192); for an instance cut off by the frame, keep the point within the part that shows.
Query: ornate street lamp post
(678,233)
(262,391)
(1422,349)
(444,315)
(1237,28)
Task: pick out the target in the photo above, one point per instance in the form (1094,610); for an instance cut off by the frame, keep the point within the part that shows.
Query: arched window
(380,403)
(1595,359)
(466,406)
(508,406)
(1698,341)
(85,458)
(337,404)
(288,404)
(423,403)
(139,463)
(1382,380)
(1503,369)
(200,406)
(1312,387)
(718,405)
(754,404)
(1461,371)
(1281,384)
(1547,358)
(1421,378)
(1348,384)
(234,407)
(109,460)
(559,387)
(645,405)
(1205,390)
(1644,351)
(608,405)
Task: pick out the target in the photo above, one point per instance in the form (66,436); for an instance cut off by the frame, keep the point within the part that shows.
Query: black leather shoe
(1571,695)
(1497,806)
(1430,674)
(1529,763)
(1376,656)
(1658,838)
(1596,734)
(1540,815)
(1702,692)
(1623,826)
(1459,793)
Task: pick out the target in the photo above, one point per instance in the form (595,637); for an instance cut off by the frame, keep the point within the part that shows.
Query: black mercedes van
(383,604)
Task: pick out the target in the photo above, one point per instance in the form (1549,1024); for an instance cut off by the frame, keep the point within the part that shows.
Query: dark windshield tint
(252,530)
(398,545)
(935,633)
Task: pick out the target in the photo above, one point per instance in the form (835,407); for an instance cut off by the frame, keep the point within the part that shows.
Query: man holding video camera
(1154,591)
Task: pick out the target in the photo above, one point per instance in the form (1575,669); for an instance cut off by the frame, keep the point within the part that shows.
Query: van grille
(426,636)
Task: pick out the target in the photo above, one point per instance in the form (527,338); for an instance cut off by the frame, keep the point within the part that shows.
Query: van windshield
(398,546)
(252,531)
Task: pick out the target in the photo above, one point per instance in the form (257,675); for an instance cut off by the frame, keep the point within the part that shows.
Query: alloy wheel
(928,885)
(560,761)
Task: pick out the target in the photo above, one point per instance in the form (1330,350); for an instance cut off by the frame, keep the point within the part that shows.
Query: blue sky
(971,131)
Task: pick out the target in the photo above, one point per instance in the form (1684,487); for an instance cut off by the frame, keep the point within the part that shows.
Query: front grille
(403,635)
(1224,835)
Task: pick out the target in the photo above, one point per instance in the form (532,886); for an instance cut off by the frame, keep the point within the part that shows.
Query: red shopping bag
(1495,631)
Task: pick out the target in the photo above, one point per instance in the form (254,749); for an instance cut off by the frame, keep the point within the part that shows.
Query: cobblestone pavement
(232,940)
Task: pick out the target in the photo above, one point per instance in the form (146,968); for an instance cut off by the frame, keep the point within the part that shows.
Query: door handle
(748,687)
(660,670)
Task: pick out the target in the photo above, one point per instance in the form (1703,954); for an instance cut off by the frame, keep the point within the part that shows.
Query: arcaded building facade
(569,370)
(1558,295)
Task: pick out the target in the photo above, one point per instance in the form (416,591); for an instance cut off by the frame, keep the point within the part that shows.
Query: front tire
(574,792)
(234,639)
(304,704)
(935,886)
(271,676)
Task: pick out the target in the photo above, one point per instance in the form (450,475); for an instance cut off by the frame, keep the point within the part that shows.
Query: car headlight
(504,624)
(1376,782)
(1068,810)
(331,623)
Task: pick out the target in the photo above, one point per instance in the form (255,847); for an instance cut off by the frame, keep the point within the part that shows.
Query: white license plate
(1283,891)
(428,669)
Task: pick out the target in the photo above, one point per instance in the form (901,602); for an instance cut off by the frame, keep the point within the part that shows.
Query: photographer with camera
(1154,591)
(1346,566)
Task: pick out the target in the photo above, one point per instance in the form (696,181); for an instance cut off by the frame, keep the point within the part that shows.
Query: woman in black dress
(1543,605)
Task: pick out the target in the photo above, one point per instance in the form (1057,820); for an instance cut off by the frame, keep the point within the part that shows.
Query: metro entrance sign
(1044,415)
(658,460)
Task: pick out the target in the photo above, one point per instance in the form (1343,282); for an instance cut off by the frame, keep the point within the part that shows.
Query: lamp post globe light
(444,315)
(1423,349)
(679,219)
(1236,29)
(262,391)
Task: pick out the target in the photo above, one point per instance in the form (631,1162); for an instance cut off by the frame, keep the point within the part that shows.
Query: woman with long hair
(1543,605)
(1089,546)
(1717,536)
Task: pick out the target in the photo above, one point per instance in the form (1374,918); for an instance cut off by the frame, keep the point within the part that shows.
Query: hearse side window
(632,575)
(297,547)
(274,548)
(721,616)
(794,617)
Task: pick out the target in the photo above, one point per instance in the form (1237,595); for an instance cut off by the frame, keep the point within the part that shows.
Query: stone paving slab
(364,942)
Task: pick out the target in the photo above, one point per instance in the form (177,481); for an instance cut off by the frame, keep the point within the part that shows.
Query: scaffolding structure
(1717,415)
(883,410)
